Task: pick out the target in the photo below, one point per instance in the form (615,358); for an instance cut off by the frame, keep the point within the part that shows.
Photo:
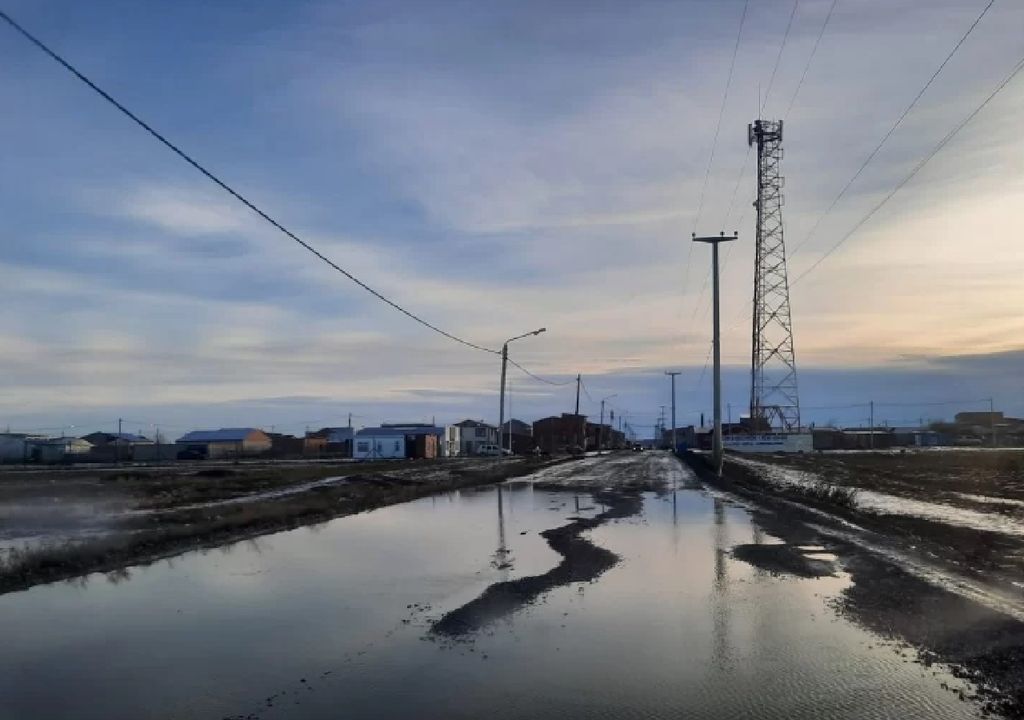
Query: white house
(379,443)
(473,434)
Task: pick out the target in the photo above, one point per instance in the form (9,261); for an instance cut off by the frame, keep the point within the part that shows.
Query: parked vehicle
(490,451)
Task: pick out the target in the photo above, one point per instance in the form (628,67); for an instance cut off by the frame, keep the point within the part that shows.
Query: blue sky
(495,167)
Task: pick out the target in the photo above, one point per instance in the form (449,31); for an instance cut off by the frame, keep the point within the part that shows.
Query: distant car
(637,447)
(489,451)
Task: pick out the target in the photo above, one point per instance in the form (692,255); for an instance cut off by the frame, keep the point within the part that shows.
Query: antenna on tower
(774,403)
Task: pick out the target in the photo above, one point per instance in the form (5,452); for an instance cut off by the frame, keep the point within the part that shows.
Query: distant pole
(672,374)
(350,421)
(600,428)
(117,442)
(578,381)
(992,419)
(715,241)
(871,426)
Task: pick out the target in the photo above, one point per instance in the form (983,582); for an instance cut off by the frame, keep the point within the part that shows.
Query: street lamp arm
(532,332)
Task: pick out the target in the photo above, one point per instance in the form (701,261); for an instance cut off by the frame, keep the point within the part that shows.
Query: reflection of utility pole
(717,342)
(672,374)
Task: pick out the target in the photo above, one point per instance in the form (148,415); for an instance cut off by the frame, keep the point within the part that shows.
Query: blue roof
(222,435)
(381,432)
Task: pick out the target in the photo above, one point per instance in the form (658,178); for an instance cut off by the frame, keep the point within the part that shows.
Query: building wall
(452,445)
(384,447)
(560,433)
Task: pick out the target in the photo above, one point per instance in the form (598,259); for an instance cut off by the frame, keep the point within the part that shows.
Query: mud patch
(783,560)
(582,561)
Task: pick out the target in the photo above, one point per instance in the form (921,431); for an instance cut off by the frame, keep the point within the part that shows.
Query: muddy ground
(989,480)
(64,523)
(945,617)
(982,492)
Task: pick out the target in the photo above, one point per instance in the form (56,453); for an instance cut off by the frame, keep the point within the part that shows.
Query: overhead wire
(778,58)
(899,121)
(750,147)
(230,190)
(810,59)
(538,378)
(924,161)
(714,142)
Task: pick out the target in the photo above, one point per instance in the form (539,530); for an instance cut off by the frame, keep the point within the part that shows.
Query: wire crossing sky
(488,170)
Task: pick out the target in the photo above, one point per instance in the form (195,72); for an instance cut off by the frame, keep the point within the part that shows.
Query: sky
(496,167)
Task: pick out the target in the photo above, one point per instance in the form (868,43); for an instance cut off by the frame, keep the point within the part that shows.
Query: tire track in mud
(582,561)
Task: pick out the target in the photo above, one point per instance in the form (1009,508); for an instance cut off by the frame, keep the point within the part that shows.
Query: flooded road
(341,620)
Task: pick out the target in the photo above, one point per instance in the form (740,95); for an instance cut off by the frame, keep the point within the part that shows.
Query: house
(105,439)
(14,447)
(224,443)
(473,434)
(282,445)
(686,437)
(379,443)
(424,440)
(518,435)
(113,447)
(331,440)
(563,433)
(56,450)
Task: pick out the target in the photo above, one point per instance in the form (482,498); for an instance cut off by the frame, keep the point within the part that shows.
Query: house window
(363,446)
(481,432)
(396,446)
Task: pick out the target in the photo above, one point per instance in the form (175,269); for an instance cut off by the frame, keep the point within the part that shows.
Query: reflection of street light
(504,367)
(600,428)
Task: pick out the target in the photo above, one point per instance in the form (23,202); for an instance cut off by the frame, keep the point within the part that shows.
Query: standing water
(336,621)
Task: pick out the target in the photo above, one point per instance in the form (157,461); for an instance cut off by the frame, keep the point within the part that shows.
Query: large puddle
(336,621)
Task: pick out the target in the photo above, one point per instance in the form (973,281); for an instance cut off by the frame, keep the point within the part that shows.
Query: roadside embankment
(60,525)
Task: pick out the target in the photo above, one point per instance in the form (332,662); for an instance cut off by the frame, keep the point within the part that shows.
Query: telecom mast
(773,394)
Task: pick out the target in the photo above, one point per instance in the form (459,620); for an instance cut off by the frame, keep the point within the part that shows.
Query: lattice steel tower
(773,394)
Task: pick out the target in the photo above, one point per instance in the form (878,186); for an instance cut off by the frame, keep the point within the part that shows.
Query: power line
(537,377)
(810,58)
(927,158)
(230,190)
(885,138)
(778,58)
(714,142)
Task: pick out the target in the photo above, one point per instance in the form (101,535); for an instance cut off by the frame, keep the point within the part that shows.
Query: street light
(504,367)
(600,428)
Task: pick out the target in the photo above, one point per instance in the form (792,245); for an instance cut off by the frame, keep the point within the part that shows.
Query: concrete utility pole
(672,374)
(117,442)
(715,241)
(504,368)
(600,428)
(583,425)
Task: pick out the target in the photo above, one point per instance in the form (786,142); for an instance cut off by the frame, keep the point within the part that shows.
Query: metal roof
(222,435)
(382,432)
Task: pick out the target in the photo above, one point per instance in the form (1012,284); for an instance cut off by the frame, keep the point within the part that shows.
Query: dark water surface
(334,621)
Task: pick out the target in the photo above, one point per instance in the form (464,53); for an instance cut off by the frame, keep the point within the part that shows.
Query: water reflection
(337,618)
